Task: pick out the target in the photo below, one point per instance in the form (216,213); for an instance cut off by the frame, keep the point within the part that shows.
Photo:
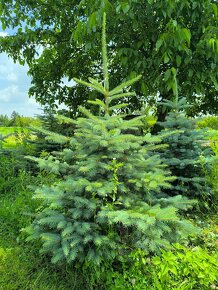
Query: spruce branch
(89,85)
(105,65)
(104,54)
(119,106)
(65,120)
(119,96)
(120,88)
(58,138)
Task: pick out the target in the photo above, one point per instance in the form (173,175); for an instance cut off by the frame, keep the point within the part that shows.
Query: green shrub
(17,207)
(186,268)
(13,137)
(14,173)
(16,204)
(49,122)
(11,173)
(4,120)
(212,174)
(211,123)
(16,210)
(208,237)
(208,122)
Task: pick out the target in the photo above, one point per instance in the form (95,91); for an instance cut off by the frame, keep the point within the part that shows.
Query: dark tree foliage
(4,120)
(49,122)
(152,37)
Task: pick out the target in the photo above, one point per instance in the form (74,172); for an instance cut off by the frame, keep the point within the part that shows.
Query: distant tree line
(15,119)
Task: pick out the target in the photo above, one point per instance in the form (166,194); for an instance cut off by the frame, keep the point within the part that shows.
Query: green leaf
(187,35)
(214,80)
(174,23)
(125,7)
(92,21)
(167,74)
(159,43)
(178,60)
(212,43)
(166,58)
(190,73)
(174,72)
(144,88)
(215,9)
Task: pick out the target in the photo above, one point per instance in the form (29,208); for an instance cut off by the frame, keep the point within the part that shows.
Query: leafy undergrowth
(13,136)
(212,178)
(181,268)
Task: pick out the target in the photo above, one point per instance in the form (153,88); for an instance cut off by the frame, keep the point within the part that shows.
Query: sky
(14,85)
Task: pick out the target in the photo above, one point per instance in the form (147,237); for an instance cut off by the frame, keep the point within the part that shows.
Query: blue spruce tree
(185,152)
(105,201)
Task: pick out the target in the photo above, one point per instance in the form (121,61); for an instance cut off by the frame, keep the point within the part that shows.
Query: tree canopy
(162,40)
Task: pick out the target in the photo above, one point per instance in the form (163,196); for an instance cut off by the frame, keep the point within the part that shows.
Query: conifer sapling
(184,152)
(105,201)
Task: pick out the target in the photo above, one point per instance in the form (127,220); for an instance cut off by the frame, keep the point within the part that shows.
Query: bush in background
(210,122)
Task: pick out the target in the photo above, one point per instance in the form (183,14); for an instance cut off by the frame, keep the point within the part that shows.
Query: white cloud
(14,85)
(31,101)
(2,33)
(8,70)
(12,77)
(11,71)
(8,93)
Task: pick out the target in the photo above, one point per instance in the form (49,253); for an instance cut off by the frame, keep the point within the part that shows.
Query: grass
(21,266)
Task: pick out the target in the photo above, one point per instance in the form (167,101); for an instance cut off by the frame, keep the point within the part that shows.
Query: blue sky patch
(14,85)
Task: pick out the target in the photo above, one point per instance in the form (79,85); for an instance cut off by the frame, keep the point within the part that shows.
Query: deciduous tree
(59,38)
